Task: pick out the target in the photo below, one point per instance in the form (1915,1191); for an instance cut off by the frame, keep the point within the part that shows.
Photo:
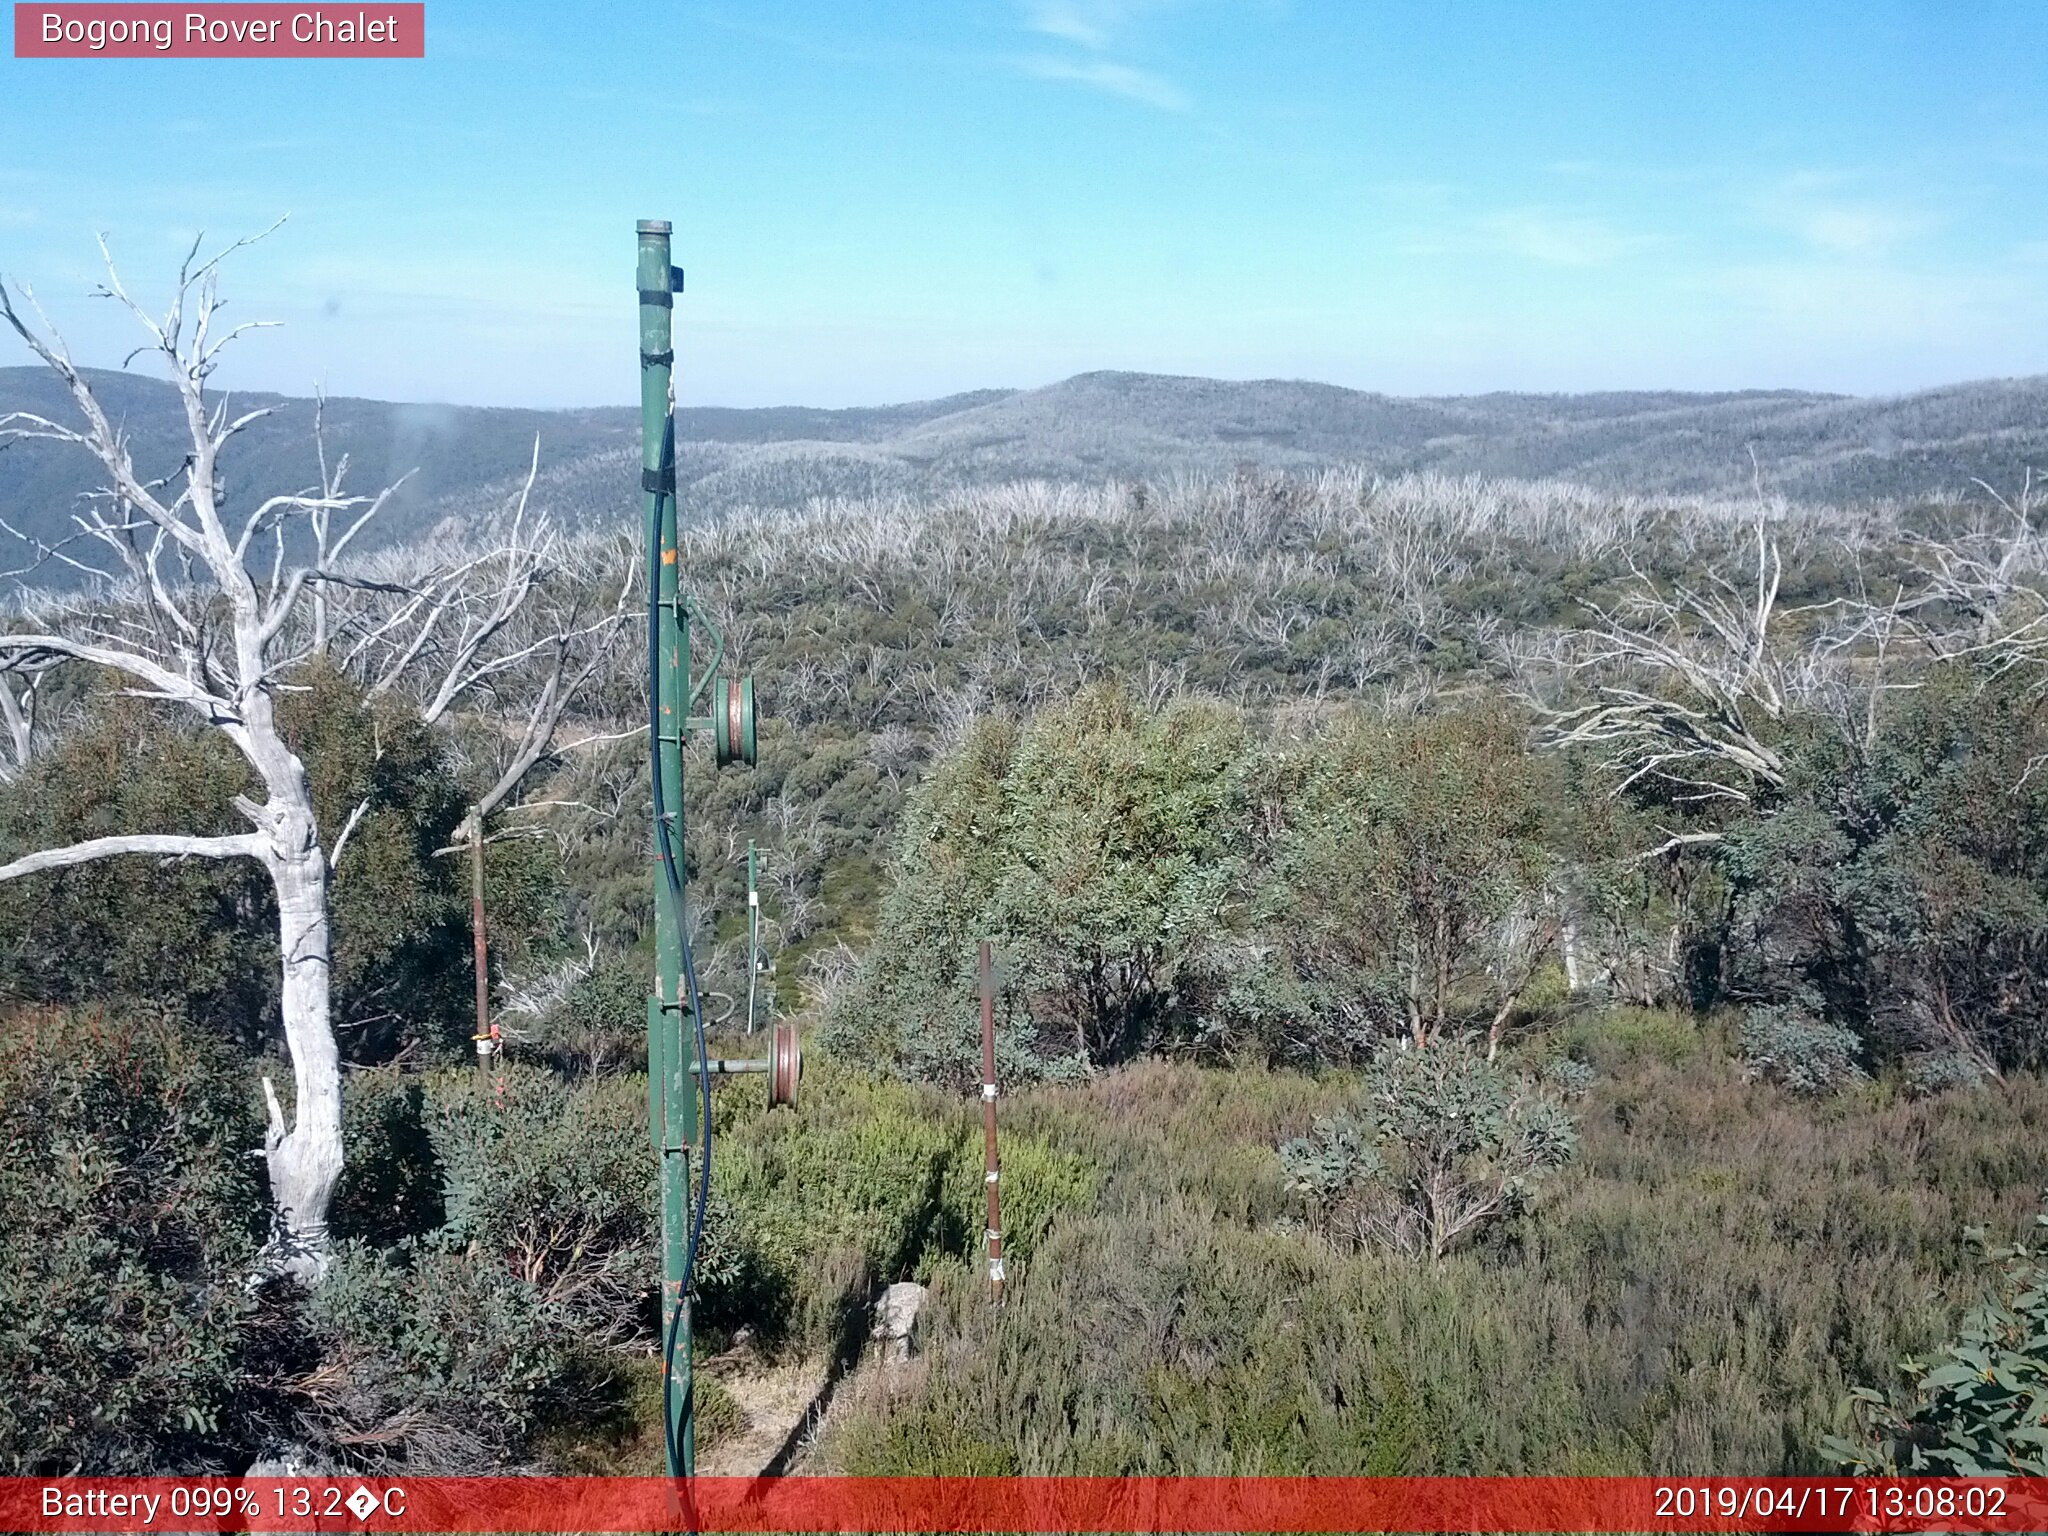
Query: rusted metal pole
(486,1042)
(993,1176)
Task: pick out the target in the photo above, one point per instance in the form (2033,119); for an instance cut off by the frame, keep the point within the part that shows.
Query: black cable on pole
(673,880)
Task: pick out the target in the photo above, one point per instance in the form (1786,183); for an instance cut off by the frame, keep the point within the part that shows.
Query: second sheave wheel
(785,1066)
(732,721)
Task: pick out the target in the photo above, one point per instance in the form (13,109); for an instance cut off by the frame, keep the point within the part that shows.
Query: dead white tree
(1690,680)
(202,634)
(211,616)
(1992,584)
(525,621)
(20,694)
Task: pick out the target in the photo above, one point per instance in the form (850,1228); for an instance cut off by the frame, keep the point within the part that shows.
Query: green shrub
(718,1415)
(451,1348)
(1699,1288)
(1445,1142)
(433,1358)
(1618,1037)
(391,1184)
(1981,1408)
(1409,847)
(195,934)
(1932,1072)
(202,934)
(553,1186)
(921,1441)
(1904,884)
(1569,1079)
(1160,1130)
(616,1431)
(1039,1184)
(1804,1055)
(600,1025)
(130,1215)
(1156,1341)
(402,968)
(1095,847)
(822,1202)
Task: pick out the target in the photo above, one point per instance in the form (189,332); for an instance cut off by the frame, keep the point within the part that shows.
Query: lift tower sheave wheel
(732,722)
(783,1067)
(786,1066)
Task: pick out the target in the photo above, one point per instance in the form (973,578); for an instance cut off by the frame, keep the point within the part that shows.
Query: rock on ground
(895,1316)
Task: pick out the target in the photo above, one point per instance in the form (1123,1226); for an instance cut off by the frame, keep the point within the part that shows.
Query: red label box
(367,29)
(382,1506)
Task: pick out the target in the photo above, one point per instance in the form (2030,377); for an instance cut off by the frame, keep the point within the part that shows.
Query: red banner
(233,31)
(1062,1504)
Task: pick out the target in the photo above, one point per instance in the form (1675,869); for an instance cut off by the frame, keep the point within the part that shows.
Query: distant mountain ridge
(1093,427)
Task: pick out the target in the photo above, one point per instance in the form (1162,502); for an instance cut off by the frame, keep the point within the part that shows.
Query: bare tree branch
(246,845)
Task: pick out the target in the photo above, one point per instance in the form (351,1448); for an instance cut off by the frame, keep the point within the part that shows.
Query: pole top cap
(654,226)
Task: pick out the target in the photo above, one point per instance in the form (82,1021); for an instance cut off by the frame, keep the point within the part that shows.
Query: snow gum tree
(212,614)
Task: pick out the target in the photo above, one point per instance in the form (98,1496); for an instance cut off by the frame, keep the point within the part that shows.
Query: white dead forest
(1574,953)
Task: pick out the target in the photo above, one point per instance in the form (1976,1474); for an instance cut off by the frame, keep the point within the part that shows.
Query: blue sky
(890,201)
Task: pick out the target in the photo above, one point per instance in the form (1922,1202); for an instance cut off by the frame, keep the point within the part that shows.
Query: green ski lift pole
(672,1098)
(679,1066)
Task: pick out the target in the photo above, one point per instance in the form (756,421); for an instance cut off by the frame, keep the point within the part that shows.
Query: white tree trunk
(305,1159)
(304,1156)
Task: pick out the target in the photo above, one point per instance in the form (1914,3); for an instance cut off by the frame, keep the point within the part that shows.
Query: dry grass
(1695,1295)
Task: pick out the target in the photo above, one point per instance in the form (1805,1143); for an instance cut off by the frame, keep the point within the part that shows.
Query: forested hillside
(459,462)
(1686,851)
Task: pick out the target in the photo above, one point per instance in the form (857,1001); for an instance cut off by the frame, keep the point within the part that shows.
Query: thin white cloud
(1068,21)
(1810,206)
(1851,229)
(1855,300)
(1113,79)
(1095,24)
(1559,240)
(1095,28)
